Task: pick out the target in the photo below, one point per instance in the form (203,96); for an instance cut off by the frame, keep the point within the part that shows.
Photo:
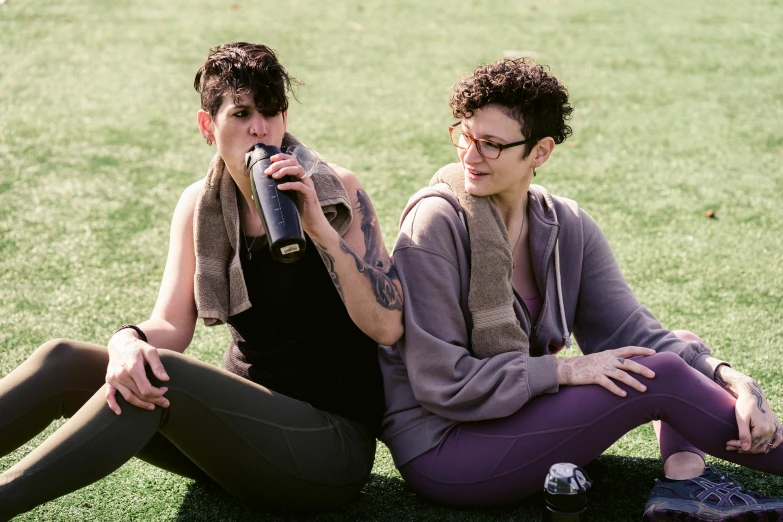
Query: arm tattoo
(328,260)
(376,265)
(373,240)
(567,372)
(386,293)
(723,383)
(755,390)
(581,362)
(750,385)
(586,374)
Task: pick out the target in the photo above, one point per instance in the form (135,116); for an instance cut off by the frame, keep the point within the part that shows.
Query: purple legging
(505,460)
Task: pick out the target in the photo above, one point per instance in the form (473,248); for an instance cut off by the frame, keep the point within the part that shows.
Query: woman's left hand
(759,428)
(309,208)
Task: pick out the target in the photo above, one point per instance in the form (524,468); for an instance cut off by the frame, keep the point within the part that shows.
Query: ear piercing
(209,141)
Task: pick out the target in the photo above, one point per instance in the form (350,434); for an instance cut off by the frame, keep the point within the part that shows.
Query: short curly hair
(522,89)
(239,68)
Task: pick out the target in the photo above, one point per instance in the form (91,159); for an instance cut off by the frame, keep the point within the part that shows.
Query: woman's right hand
(602,367)
(127,373)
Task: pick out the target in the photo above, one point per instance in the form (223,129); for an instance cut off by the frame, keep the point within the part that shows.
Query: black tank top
(298,339)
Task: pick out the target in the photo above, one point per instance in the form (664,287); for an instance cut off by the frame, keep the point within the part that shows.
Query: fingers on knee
(173,363)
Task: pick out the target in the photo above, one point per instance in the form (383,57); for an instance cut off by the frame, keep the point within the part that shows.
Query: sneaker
(711,497)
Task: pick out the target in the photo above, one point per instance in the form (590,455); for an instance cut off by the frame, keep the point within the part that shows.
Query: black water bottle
(277,208)
(565,493)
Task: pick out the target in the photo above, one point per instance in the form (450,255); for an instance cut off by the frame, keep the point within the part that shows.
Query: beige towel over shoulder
(219,285)
(490,297)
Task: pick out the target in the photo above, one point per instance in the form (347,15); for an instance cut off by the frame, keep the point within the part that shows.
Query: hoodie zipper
(534,333)
(524,308)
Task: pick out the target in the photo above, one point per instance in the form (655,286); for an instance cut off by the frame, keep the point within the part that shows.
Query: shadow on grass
(620,492)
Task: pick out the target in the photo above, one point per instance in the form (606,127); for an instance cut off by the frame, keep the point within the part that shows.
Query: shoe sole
(673,510)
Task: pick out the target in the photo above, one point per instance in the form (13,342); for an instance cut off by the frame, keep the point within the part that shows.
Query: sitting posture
(291,420)
(497,275)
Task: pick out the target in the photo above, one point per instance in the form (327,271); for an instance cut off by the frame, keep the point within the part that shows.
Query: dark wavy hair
(239,68)
(522,89)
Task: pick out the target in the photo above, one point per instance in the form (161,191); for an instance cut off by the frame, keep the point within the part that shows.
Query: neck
(248,214)
(512,203)
(243,183)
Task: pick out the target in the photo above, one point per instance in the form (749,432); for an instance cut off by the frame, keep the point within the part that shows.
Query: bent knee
(171,359)
(70,363)
(175,364)
(666,363)
(686,335)
(65,352)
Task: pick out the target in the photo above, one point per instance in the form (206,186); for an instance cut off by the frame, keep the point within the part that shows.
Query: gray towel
(490,297)
(219,285)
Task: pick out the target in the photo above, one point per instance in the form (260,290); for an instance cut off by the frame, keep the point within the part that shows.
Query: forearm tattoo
(748,384)
(385,292)
(328,260)
(755,390)
(376,265)
(723,383)
(567,373)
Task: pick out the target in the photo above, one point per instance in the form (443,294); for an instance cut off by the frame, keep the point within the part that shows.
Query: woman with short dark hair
(291,420)
(497,274)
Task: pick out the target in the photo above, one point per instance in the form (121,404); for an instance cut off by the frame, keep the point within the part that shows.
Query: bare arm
(173,320)
(170,326)
(361,268)
(358,263)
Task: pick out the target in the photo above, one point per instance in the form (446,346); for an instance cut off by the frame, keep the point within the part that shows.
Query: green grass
(678,110)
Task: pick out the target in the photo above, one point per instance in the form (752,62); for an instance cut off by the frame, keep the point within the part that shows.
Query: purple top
(533,305)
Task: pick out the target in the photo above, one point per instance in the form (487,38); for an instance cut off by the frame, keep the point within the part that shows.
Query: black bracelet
(133,327)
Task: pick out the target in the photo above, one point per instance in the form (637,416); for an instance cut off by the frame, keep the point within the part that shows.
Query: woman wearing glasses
(497,275)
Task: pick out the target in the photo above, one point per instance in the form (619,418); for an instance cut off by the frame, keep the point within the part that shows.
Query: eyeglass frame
(478,141)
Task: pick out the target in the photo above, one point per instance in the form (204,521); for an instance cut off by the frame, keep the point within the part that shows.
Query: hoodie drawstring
(566,333)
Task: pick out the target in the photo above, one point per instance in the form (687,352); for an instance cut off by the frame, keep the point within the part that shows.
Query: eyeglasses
(488,149)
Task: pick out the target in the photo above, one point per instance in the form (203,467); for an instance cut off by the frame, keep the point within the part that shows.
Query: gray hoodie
(431,380)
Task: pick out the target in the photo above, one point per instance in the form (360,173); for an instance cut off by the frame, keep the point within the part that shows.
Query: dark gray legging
(265,448)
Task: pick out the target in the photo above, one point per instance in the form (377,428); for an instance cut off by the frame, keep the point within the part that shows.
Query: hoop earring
(209,142)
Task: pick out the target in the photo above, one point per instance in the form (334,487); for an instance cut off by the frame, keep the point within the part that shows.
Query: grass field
(678,111)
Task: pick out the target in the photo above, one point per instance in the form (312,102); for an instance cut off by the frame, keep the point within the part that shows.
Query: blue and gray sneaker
(711,497)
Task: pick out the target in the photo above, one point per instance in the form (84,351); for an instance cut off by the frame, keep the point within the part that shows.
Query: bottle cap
(565,487)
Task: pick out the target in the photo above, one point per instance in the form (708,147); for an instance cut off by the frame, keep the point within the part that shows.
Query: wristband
(133,327)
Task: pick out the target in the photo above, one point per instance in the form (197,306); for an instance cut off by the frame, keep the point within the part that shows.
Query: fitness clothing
(266,448)
(432,382)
